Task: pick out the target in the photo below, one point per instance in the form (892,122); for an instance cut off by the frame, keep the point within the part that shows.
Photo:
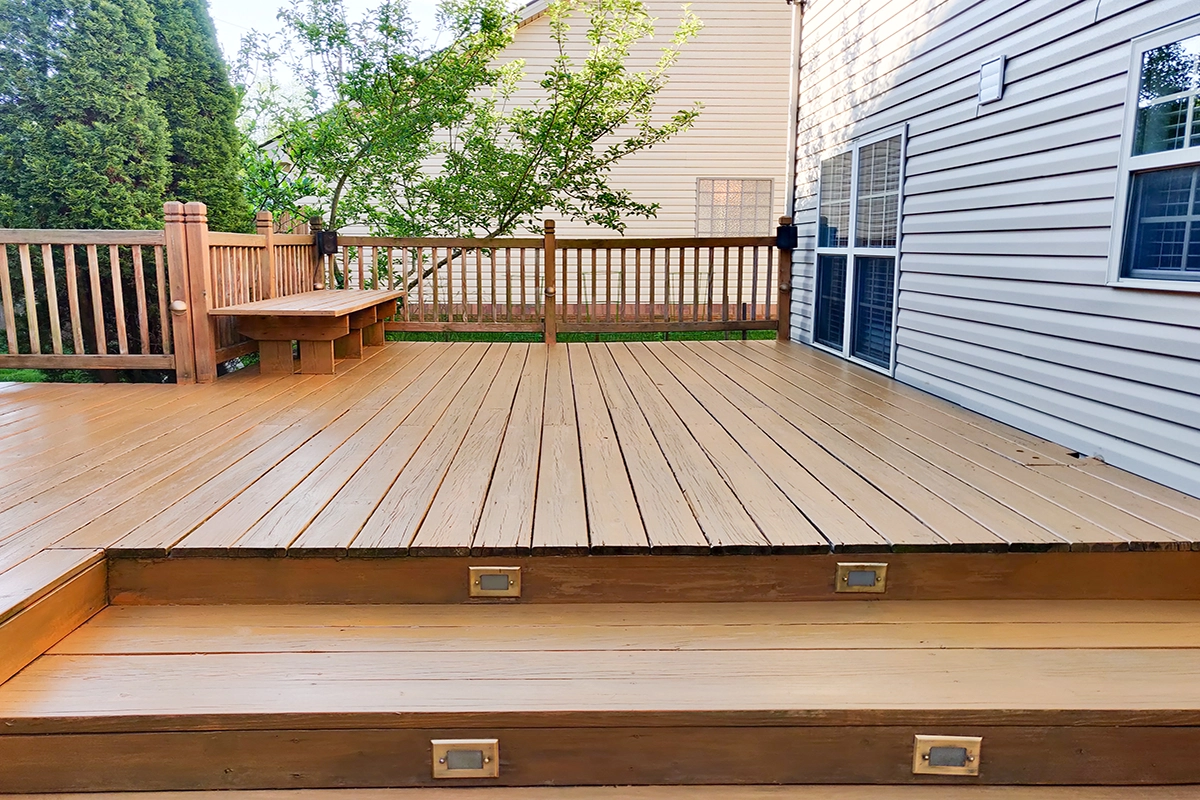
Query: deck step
(156,698)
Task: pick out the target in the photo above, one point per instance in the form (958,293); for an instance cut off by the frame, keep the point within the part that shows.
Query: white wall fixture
(991,81)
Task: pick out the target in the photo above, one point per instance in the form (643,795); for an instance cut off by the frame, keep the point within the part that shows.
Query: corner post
(264,223)
(551,304)
(196,220)
(315,226)
(785,240)
(179,282)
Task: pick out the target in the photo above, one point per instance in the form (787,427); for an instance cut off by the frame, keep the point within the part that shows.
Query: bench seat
(329,324)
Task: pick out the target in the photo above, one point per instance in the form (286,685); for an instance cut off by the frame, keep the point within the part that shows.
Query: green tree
(95,144)
(201,108)
(413,141)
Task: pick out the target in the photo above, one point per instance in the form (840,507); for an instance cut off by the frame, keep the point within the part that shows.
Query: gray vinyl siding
(1003,302)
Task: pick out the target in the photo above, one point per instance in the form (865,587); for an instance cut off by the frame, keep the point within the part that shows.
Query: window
(1160,172)
(857,250)
(734,207)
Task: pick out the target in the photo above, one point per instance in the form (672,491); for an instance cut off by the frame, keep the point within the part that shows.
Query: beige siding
(738,67)
(1004,304)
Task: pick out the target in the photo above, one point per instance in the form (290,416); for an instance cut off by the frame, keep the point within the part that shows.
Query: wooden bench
(329,325)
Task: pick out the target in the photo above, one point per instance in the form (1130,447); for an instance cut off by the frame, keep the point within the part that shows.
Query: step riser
(580,756)
(1168,575)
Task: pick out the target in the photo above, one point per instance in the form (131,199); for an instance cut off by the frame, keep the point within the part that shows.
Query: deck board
(439,448)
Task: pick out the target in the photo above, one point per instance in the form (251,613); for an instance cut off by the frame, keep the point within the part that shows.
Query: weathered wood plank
(614,520)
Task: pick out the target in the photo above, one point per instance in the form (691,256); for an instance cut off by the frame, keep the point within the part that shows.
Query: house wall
(1007,215)
(738,67)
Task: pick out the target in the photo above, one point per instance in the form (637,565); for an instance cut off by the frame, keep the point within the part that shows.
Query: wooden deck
(456,449)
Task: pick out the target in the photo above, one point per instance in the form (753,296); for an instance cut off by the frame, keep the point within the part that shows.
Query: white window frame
(1129,164)
(770,211)
(851,250)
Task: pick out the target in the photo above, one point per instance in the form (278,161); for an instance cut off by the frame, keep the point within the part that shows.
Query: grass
(456,336)
(23,375)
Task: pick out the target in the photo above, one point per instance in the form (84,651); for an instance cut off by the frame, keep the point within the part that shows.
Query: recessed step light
(494,581)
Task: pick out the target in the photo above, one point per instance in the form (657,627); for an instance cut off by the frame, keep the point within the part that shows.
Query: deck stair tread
(870,662)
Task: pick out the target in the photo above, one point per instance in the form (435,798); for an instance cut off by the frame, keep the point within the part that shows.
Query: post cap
(549,226)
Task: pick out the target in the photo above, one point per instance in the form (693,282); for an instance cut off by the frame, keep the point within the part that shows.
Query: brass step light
(494,581)
(860,577)
(466,758)
(946,755)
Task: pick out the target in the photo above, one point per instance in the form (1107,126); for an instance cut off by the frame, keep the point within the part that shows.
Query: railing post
(264,222)
(175,242)
(315,226)
(551,303)
(784,311)
(196,220)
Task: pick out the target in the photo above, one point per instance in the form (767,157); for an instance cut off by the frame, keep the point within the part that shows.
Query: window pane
(878,194)
(1161,127)
(1167,72)
(1195,139)
(1170,69)
(874,280)
(835,201)
(1163,230)
(734,207)
(831,300)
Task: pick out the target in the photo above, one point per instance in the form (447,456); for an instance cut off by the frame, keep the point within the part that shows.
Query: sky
(234,18)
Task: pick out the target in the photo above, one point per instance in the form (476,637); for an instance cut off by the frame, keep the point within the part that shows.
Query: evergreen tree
(201,106)
(95,152)
(26,55)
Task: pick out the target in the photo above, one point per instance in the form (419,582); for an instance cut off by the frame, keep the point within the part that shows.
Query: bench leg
(373,335)
(275,358)
(349,346)
(316,358)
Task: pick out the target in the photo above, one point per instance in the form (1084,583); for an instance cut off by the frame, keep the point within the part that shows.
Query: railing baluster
(160,278)
(97,300)
(52,299)
(478,284)
(592,307)
(637,283)
(725,286)
(754,284)
(139,280)
(696,284)
(31,315)
(71,275)
(741,285)
(767,293)
(6,297)
(114,258)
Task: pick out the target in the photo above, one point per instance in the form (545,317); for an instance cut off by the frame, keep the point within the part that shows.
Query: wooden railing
(110,300)
(572,285)
(85,300)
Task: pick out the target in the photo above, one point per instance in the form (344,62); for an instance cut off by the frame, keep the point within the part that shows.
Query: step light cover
(494,581)
(861,577)
(466,758)
(946,755)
